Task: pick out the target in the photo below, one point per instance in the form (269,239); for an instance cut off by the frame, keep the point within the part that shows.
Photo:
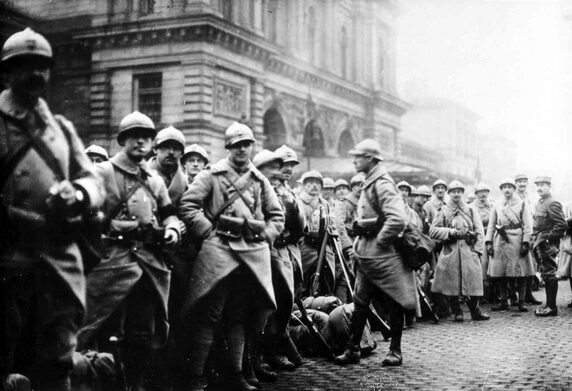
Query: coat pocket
(230,227)
(254,230)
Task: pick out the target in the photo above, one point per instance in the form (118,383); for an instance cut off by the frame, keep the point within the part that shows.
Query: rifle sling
(231,199)
(9,162)
(139,184)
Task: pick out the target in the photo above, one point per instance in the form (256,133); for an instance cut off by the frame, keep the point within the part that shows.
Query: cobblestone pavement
(512,351)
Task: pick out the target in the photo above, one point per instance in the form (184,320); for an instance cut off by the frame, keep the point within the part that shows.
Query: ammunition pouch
(471,238)
(230,227)
(254,230)
(283,241)
(367,228)
(124,232)
(313,238)
(234,228)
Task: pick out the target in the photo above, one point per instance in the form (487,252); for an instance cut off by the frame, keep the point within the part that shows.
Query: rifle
(320,265)
(307,322)
(428,306)
(120,382)
(349,276)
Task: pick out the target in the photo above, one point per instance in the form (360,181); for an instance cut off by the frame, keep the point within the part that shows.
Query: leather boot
(393,359)
(476,314)
(521,284)
(247,363)
(272,355)
(456,308)
(262,370)
(551,286)
(351,355)
(292,351)
(529,298)
(237,382)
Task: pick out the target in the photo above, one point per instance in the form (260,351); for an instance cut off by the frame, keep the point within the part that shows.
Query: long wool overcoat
(458,271)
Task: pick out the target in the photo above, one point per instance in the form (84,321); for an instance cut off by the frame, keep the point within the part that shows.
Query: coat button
(134,217)
(120,237)
(135,249)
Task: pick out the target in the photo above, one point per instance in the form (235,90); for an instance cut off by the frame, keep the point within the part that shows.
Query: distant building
(317,75)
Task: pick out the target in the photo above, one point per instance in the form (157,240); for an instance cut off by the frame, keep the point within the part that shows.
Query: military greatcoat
(458,271)
(484,208)
(565,255)
(376,257)
(513,215)
(112,280)
(219,256)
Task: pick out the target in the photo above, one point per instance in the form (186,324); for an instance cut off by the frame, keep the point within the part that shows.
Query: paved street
(512,351)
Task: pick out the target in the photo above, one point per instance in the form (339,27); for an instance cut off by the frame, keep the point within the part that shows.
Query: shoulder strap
(9,162)
(237,194)
(139,184)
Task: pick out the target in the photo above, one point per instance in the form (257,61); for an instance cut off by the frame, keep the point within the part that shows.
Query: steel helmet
(456,185)
(421,191)
(287,154)
(135,120)
(482,187)
(368,147)
(405,184)
(312,175)
(196,149)
(439,182)
(357,179)
(341,182)
(264,157)
(26,43)
(507,181)
(170,134)
(236,133)
(328,183)
(97,150)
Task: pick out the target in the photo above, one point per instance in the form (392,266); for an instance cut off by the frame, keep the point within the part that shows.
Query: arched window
(346,143)
(311,35)
(313,140)
(344,52)
(274,129)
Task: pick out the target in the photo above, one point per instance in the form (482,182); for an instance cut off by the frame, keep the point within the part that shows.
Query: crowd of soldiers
(158,268)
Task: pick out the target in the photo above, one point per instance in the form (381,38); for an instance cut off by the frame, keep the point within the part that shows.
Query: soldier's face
(363,163)
(95,158)
(168,154)
(272,172)
(522,184)
(543,189)
(356,189)
(327,193)
(456,195)
(439,191)
(312,186)
(239,153)
(507,190)
(404,192)
(194,164)
(420,200)
(482,195)
(29,77)
(288,170)
(342,191)
(137,145)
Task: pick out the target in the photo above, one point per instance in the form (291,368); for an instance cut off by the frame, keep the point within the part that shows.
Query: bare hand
(62,195)
(171,237)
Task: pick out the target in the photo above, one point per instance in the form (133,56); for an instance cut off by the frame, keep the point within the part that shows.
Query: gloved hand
(455,234)
(171,237)
(65,197)
(524,249)
(490,250)
(348,253)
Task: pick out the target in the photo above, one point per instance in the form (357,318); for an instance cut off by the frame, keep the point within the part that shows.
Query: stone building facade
(318,75)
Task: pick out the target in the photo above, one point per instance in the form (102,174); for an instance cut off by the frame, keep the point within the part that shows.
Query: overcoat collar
(224,165)
(460,206)
(375,173)
(125,164)
(10,106)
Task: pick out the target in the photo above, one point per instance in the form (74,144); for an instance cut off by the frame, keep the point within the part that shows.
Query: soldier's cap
(482,187)
(357,179)
(133,123)
(312,175)
(422,190)
(367,147)
(264,157)
(236,133)
(170,134)
(456,185)
(328,183)
(287,154)
(341,182)
(405,184)
(197,150)
(439,182)
(543,179)
(97,150)
(519,177)
(507,181)
(27,43)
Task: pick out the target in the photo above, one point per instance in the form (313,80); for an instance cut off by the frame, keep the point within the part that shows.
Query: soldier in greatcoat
(47,185)
(548,227)
(521,182)
(508,245)
(236,212)
(458,272)
(434,205)
(328,189)
(484,207)
(380,268)
(345,211)
(565,255)
(194,160)
(96,153)
(127,292)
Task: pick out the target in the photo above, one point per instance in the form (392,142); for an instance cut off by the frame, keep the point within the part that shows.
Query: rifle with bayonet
(305,320)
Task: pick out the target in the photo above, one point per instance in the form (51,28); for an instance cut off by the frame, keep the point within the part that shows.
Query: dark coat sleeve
(393,210)
(191,206)
(558,222)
